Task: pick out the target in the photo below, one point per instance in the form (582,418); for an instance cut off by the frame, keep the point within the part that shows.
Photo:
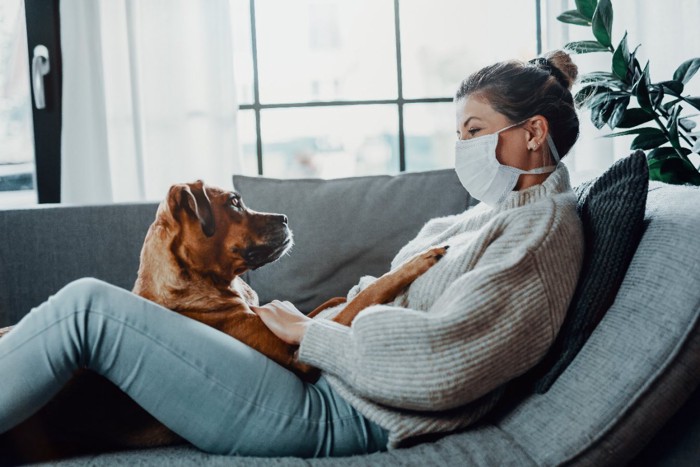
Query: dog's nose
(282,218)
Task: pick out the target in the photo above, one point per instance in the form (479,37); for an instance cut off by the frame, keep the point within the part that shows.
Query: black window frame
(44,27)
(400,101)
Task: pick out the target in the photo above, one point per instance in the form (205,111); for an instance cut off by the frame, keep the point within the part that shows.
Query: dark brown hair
(522,90)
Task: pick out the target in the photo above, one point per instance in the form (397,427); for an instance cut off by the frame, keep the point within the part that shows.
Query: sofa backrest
(345,228)
(641,362)
(45,248)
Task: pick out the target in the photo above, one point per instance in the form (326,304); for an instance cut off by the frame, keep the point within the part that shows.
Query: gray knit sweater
(437,358)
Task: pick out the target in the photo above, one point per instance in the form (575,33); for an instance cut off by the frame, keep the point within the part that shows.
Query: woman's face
(476,117)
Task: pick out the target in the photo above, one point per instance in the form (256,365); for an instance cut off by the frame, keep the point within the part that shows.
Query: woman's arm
(489,326)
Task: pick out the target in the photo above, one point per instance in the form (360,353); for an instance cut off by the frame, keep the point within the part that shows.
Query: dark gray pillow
(344,228)
(612,210)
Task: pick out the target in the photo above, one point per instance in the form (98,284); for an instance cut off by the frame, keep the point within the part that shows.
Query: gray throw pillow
(344,228)
(612,209)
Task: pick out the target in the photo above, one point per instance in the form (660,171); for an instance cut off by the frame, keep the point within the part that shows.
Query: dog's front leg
(390,285)
(329,304)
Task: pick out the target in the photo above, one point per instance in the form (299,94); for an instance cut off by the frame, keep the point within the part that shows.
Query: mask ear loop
(555,156)
(553,150)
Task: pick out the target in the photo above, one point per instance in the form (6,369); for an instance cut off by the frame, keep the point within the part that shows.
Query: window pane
(247,141)
(443,41)
(16,134)
(430,135)
(310,50)
(242,51)
(330,142)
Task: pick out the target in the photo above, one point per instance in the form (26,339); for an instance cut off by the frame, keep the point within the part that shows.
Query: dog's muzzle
(260,255)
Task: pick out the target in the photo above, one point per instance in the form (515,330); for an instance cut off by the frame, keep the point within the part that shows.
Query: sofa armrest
(46,247)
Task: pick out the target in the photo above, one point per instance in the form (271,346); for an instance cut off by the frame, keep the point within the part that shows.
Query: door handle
(40,68)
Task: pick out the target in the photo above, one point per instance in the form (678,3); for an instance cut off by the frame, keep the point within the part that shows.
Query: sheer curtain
(668,34)
(148,98)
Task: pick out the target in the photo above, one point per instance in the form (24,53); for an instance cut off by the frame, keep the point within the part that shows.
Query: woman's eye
(473,131)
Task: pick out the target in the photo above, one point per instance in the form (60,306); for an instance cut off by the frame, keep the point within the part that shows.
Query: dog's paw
(433,255)
(438,252)
(421,262)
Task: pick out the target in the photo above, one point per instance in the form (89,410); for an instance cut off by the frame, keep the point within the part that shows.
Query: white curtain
(668,34)
(148,98)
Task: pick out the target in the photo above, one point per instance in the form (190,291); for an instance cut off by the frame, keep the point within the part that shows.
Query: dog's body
(202,240)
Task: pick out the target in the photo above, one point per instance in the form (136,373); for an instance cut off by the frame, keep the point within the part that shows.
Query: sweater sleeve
(490,325)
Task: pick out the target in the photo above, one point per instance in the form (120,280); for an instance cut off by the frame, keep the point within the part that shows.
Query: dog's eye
(235,202)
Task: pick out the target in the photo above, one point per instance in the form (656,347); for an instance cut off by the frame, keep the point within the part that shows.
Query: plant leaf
(601,112)
(595,76)
(583,97)
(634,67)
(634,131)
(686,70)
(649,139)
(687,124)
(602,22)
(657,97)
(670,104)
(665,152)
(641,90)
(584,47)
(673,127)
(573,17)
(634,117)
(621,59)
(675,88)
(604,97)
(586,7)
(666,165)
(618,111)
(602,78)
(694,101)
(603,106)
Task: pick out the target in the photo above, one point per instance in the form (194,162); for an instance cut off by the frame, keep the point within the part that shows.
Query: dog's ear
(192,197)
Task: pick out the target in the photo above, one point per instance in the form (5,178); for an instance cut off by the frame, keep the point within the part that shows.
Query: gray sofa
(630,396)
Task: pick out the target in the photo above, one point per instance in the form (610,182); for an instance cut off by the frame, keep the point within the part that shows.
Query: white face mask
(483,176)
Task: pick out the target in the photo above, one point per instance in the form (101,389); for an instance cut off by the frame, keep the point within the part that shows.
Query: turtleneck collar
(557,182)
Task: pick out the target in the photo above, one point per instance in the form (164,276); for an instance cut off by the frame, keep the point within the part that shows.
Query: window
(326,88)
(16,137)
(333,88)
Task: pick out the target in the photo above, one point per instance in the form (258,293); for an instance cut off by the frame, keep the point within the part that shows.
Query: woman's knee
(82,293)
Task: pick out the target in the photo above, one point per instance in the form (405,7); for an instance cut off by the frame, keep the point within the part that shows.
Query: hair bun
(563,63)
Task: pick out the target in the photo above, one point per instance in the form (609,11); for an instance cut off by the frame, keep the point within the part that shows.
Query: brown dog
(202,240)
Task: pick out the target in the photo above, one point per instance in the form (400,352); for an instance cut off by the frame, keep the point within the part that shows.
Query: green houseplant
(658,118)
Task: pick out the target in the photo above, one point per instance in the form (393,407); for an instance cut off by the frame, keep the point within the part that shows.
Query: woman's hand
(284,320)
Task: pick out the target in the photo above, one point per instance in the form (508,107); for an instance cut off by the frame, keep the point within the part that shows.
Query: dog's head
(218,235)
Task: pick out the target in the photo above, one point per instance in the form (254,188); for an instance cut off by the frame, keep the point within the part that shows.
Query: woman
(434,361)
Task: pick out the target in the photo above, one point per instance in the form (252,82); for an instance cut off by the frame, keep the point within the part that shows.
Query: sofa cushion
(612,210)
(640,364)
(344,228)
(485,447)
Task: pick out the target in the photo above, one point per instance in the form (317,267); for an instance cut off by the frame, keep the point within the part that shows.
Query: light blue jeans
(209,388)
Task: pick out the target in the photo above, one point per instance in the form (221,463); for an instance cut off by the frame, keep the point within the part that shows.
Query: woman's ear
(537,128)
